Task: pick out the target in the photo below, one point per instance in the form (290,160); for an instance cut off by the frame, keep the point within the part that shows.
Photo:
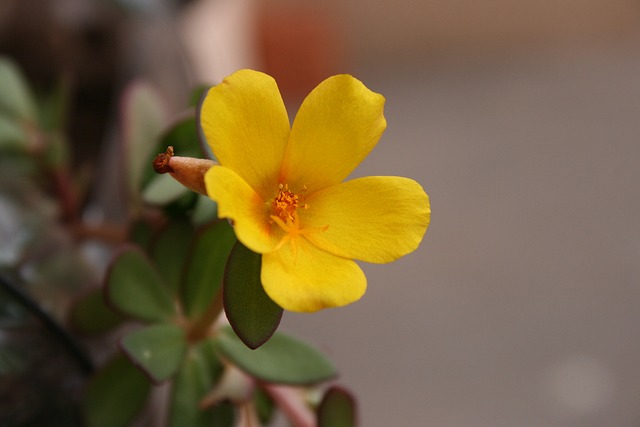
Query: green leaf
(16,99)
(169,251)
(337,409)
(90,315)
(140,233)
(134,287)
(281,360)
(205,211)
(199,373)
(203,275)
(163,189)
(158,350)
(143,119)
(115,395)
(252,314)
(12,134)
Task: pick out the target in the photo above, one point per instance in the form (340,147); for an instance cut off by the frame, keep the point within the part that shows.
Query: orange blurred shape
(299,46)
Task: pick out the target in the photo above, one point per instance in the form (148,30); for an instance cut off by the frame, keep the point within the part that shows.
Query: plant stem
(201,327)
(67,196)
(292,405)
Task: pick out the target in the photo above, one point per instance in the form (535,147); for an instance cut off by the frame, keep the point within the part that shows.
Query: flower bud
(188,171)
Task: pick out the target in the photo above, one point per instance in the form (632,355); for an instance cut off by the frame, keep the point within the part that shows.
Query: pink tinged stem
(292,404)
(248,415)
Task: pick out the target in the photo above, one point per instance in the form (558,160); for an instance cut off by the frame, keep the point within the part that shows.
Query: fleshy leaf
(134,287)
(12,134)
(170,249)
(115,395)
(158,350)
(199,373)
(203,275)
(205,211)
(16,100)
(337,409)
(90,315)
(143,119)
(252,314)
(163,189)
(281,360)
(140,233)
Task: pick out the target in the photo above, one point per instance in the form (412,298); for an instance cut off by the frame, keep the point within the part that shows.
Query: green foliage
(13,136)
(115,395)
(337,409)
(90,315)
(170,275)
(158,350)
(17,100)
(169,251)
(134,287)
(162,190)
(204,210)
(203,274)
(199,373)
(281,360)
(252,314)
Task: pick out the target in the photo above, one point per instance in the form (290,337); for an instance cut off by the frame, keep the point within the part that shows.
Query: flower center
(285,206)
(286,203)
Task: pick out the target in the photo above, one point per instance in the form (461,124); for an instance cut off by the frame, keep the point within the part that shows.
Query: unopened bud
(188,171)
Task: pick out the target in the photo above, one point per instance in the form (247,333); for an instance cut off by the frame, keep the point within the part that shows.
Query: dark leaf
(203,275)
(115,395)
(169,251)
(90,314)
(134,287)
(252,314)
(337,409)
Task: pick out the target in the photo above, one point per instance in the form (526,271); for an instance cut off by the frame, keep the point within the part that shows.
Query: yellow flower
(282,186)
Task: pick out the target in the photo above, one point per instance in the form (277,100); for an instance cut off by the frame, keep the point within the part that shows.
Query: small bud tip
(161,161)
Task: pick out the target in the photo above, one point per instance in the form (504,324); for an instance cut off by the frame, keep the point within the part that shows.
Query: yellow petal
(300,277)
(246,125)
(337,125)
(239,202)
(373,219)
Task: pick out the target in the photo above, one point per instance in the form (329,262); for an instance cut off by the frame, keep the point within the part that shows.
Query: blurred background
(520,119)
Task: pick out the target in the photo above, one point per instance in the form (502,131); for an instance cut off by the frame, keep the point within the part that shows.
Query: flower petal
(240,203)
(373,219)
(336,127)
(300,277)
(246,125)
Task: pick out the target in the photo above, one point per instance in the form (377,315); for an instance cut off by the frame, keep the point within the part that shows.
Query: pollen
(286,203)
